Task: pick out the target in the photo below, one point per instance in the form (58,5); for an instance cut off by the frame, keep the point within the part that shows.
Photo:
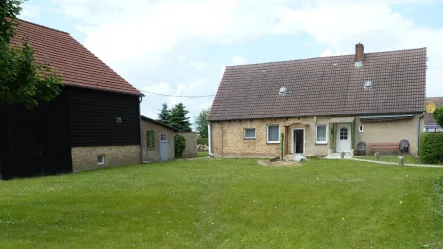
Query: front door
(343,138)
(164,147)
(299,141)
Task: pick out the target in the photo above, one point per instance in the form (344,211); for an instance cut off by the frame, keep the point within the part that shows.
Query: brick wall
(86,158)
(228,136)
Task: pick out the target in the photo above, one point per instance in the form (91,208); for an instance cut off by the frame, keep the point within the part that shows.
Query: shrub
(202,141)
(431,148)
(179,145)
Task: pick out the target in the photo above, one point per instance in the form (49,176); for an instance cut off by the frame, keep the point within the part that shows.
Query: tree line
(178,118)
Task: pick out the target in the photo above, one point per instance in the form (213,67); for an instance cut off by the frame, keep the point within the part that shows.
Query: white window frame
(249,138)
(361,128)
(102,162)
(316,131)
(267,134)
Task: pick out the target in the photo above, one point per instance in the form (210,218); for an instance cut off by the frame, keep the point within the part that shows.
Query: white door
(343,138)
(164,147)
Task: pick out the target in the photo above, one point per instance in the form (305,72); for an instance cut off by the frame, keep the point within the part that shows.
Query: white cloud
(198,64)
(121,32)
(238,60)
(30,11)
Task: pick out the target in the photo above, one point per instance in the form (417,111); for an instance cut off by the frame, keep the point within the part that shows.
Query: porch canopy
(368,119)
(301,122)
(343,120)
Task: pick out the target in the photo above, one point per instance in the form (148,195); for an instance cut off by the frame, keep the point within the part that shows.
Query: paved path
(410,165)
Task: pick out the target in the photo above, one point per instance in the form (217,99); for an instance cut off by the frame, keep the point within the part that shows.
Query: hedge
(179,145)
(431,147)
(202,141)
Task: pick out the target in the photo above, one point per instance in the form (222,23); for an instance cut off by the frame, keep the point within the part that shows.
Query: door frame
(293,150)
(349,136)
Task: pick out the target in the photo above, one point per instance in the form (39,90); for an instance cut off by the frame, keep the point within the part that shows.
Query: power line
(178,96)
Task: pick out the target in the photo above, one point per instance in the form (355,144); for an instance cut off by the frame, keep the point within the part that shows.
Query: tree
(438,116)
(165,114)
(23,80)
(179,118)
(201,123)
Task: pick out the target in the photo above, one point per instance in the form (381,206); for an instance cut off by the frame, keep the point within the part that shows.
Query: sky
(181,47)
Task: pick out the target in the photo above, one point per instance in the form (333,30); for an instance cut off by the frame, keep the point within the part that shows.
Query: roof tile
(323,86)
(76,64)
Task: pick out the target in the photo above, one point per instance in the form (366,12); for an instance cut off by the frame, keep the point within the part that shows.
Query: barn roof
(76,64)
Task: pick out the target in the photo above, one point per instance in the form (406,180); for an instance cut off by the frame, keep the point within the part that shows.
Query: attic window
(283,90)
(368,85)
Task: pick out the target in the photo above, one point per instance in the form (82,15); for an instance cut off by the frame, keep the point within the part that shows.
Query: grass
(393,159)
(227,203)
(202,154)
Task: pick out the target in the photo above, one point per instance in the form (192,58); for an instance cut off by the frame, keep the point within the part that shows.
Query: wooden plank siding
(39,142)
(94,118)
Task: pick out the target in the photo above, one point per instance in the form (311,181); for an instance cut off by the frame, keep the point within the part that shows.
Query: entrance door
(164,147)
(344,138)
(299,141)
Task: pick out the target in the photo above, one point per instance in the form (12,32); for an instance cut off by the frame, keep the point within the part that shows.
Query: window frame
(316,134)
(267,134)
(249,138)
(101,162)
(150,140)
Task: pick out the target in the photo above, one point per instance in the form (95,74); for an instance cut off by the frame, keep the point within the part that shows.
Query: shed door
(164,147)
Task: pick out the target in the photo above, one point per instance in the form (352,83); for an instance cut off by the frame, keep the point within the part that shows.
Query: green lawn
(393,159)
(227,203)
(202,154)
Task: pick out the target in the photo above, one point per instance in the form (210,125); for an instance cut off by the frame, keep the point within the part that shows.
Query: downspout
(141,129)
(418,133)
(210,138)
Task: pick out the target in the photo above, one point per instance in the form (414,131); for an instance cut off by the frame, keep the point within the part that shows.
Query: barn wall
(86,158)
(94,118)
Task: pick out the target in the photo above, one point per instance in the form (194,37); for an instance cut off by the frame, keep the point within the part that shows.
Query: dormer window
(283,90)
(368,85)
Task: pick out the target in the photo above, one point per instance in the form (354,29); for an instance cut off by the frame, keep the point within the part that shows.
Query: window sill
(321,143)
(249,138)
(272,143)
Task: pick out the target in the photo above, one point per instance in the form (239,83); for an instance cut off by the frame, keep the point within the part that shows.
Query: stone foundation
(86,158)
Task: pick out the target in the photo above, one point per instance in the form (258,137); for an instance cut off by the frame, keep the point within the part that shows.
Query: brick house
(321,105)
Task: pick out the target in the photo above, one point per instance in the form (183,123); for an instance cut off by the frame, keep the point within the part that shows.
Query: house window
(163,136)
(101,159)
(361,128)
(344,133)
(322,134)
(249,133)
(273,134)
(150,140)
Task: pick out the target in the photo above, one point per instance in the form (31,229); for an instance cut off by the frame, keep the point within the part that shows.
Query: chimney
(359,54)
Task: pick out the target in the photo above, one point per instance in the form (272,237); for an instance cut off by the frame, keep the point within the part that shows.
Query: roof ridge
(42,26)
(322,57)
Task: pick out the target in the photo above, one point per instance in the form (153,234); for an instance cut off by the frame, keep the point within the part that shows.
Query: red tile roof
(76,64)
(324,86)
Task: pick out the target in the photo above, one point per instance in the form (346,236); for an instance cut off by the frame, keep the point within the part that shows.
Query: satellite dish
(430,107)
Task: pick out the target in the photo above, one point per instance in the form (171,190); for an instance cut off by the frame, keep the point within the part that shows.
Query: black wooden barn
(96,108)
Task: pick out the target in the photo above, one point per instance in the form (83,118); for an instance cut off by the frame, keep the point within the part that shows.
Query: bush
(179,145)
(202,141)
(431,148)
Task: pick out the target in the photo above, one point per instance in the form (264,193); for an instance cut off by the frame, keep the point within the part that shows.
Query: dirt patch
(279,163)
